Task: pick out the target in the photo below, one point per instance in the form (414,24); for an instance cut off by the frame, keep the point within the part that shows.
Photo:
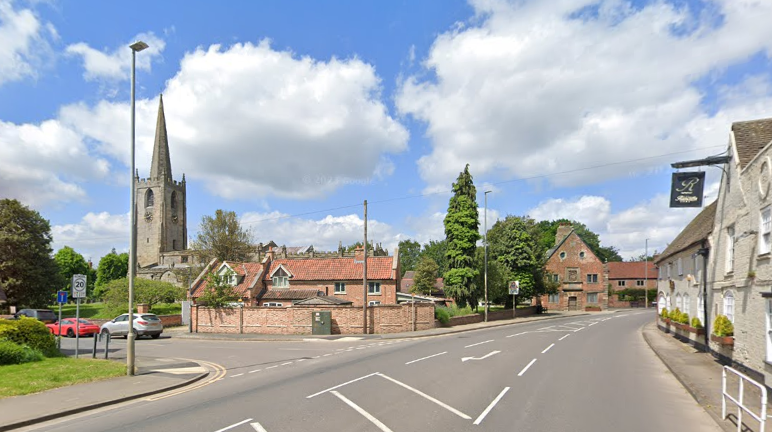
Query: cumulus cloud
(115,64)
(23,42)
(252,122)
(94,235)
(532,88)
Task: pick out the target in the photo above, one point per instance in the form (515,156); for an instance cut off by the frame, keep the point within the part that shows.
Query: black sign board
(686,190)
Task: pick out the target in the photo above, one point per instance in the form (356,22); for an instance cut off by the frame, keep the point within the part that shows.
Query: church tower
(161,204)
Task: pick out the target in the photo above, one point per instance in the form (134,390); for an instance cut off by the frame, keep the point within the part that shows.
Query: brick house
(630,275)
(579,272)
(282,282)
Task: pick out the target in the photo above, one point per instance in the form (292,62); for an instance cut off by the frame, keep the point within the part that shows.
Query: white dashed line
(327,355)
(478,343)
(271,367)
(237,375)
(315,357)
(526,368)
(548,348)
(428,357)
(564,337)
(285,364)
(517,334)
(300,360)
(256,370)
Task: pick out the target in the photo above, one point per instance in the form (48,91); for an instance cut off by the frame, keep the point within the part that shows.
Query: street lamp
(135,48)
(485,240)
(646,275)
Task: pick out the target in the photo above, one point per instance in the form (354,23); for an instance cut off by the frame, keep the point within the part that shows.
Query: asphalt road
(588,373)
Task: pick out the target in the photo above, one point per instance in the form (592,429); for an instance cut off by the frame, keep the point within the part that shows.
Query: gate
(572,303)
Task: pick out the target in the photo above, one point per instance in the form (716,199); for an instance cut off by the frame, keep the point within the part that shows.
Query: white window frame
(697,270)
(272,304)
(729,265)
(554,298)
(669,270)
(729,305)
(340,288)
(373,303)
(769,329)
(280,281)
(687,304)
(701,308)
(765,230)
(592,298)
(373,288)
(679,302)
(680,265)
(661,304)
(668,303)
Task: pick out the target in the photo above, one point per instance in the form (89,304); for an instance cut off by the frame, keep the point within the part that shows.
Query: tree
(462,232)
(436,250)
(409,254)
(218,292)
(72,263)
(425,276)
(151,292)
(111,267)
(548,230)
(512,244)
(222,237)
(28,273)
(498,288)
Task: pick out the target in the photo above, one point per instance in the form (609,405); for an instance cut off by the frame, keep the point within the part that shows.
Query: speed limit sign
(78,286)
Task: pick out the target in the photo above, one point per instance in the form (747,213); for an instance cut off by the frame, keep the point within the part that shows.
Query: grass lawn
(17,380)
(99,311)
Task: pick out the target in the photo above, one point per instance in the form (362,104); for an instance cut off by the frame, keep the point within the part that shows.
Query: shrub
(664,314)
(442,315)
(30,332)
(11,353)
(722,326)
(679,317)
(696,323)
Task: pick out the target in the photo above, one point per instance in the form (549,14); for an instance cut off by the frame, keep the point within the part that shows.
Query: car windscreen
(46,315)
(150,318)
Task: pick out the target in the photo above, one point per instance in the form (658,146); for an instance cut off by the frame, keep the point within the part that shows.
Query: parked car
(71,325)
(145,324)
(46,315)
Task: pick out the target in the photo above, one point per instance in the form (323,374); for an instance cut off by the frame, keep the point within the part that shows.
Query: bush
(664,314)
(11,353)
(30,332)
(696,323)
(442,315)
(679,317)
(722,326)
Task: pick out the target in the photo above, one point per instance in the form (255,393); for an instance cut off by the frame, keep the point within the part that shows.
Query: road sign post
(61,297)
(78,292)
(514,290)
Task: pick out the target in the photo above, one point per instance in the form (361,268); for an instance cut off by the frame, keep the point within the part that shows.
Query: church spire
(161,167)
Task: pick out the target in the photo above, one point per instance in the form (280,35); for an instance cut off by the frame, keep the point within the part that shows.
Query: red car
(85,328)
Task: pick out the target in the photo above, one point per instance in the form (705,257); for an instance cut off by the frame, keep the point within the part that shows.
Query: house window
(729,305)
(592,278)
(679,303)
(592,297)
(374,288)
(554,298)
(340,288)
(280,278)
(669,270)
(697,270)
(687,304)
(184,258)
(621,283)
(582,255)
(680,264)
(701,309)
(668,304)
(765,231)
(639,283)
(769,330)
(555,278)
(661,304)
(562,256)
(373,303)
(272,304)
(729,249)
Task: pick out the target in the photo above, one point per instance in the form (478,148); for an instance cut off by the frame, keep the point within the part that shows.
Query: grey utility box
(321,323)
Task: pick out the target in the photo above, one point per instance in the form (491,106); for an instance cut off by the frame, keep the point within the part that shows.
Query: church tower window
(174,200)
(149,198)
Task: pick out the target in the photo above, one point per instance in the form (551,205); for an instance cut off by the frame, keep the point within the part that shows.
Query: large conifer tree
(462,232)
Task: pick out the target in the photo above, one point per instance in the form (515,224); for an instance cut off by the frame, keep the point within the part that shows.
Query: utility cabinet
(321,323)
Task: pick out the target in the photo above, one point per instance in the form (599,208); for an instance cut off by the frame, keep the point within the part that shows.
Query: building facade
(636,275)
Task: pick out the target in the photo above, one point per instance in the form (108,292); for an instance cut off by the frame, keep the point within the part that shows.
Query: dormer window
(280,278)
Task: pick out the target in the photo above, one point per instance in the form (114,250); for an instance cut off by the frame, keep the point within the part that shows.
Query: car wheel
(136,336)
(155,336)
(70,333)
(105,332)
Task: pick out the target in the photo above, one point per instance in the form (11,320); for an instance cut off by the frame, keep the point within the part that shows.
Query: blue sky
(292,113)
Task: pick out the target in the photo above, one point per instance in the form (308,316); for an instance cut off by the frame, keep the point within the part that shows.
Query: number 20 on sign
(78,286)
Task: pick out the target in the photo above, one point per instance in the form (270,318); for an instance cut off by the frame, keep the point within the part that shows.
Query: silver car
(144,324)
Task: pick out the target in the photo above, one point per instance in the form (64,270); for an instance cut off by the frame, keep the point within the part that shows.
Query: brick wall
(297,319)
(577,257)
(492,316)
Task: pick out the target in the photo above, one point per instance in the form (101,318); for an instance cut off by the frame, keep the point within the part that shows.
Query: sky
(293,113)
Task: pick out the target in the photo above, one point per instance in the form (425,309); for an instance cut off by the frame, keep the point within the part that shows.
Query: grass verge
(27,378)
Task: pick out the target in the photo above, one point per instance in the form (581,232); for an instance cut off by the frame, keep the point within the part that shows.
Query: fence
(761,417)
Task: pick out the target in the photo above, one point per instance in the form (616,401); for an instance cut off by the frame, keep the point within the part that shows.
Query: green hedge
(29,332)
(11,353)
(442,315)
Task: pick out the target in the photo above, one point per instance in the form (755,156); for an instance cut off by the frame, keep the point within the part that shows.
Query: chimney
(359,254)
(270,254)
(564,229)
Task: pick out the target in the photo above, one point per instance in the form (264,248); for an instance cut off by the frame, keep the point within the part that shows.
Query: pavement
(698,372)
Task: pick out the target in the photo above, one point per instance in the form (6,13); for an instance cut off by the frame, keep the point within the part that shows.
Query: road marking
(257,427)
(490,407)
(420,393)
(315,357)
(327,355)
(593,324)
(301,360)
(463,359)
(285,364)
(526,368)
(564,337)
(578,329)
(341,385)
(478,343)
(517,334)
(219,374)
(237,375)
(256,370)
(548,348)
(428,357)
(366,414)
(234,425)
(271,367)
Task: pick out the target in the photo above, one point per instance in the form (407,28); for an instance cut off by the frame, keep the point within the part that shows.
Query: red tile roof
(246,271)
(631,270)
(332,269)
(290,294)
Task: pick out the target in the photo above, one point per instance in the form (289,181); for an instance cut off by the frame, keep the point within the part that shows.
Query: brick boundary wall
(492,316)
(381,319)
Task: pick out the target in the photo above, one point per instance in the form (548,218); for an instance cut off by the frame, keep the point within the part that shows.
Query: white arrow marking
(463,359)
(257,427)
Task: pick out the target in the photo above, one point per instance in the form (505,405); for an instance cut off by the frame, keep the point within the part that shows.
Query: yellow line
(219,373)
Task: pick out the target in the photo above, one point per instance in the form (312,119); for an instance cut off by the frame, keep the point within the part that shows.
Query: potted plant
(723,331)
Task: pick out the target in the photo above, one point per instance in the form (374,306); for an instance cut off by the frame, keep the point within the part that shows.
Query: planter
(592,308)
(690,329)
(723,340)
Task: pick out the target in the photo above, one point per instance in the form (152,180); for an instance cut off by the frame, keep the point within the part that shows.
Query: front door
(572,303)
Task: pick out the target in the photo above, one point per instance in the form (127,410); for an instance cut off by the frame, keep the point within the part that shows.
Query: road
(585,373)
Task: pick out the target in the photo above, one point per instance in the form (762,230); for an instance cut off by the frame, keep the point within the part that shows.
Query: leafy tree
(222,237)
(548,230)
(643,257)
(498,288)
(425,276)
(151,292)
(28,273)
(436,250)
(462,232)
(72,263)
(111,267)
(409,254)
(218,292)
(512,243)
(352,247)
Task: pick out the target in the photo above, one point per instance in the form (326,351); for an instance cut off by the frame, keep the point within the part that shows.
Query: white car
(144,324)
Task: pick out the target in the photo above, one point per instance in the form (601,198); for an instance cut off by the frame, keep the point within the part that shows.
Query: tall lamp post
(646,275)
(485,240)
(135,48)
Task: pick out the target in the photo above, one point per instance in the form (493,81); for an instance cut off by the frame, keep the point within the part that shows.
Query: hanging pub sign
(686,190)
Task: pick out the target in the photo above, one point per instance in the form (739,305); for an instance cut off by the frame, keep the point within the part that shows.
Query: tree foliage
(462,232)
(409,255)
(151,292)
(111,267)
(425,276)
(218,292)
(436,250)
(223,237)
(498,288)
(548,230)
(28,273)
(71,263)
(513,243)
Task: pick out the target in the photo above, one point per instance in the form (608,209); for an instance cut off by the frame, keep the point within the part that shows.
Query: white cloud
(593,211)
(115,64)
(23,44)
(95,235)
(252,122)
(532,88)
(45,163)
